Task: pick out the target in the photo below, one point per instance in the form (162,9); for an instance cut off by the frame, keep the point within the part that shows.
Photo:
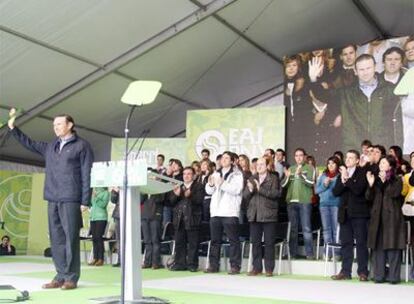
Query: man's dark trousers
(354,229)
(230,226)
(65,221)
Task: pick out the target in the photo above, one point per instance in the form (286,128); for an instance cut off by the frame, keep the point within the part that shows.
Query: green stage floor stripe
(83,294)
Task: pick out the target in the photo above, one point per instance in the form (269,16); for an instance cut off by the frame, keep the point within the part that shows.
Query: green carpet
(105,281)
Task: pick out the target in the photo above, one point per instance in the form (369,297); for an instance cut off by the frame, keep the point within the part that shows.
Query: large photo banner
(336,98)
(246,131)
(169,147)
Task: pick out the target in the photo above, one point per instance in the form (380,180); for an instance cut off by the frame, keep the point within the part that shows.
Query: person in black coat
(261,194)
(67,189)
(206,171)
(386,232)
(151,221)
(353,216)
(187,200)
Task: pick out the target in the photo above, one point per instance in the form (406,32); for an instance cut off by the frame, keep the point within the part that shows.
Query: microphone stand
(124,202)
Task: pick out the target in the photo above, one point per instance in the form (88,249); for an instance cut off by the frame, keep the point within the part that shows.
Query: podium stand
(110,174)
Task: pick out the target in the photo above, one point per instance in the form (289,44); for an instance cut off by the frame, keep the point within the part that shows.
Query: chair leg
(242,254)
(250,258)
(318,240)
(85,254)
(288,255)
(326,259)
(90,256)
(208,255)
(279,265)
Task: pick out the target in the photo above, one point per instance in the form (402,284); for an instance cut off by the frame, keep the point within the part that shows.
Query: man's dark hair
(347,46)
(254,160)
(381,148)
(363,57)
(205,151)
(5,237)
(189,168)
(218,157)
(391,50)
(231,154)
(162,156)
(68,119)
(366,142)
(281,150)
(300,149)
(355,152)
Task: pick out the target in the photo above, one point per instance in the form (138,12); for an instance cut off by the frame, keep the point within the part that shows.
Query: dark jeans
(186,247)
(206,209)
(151,229)
(267,230)
(300,213)
(65,221)
(230,226)
(354,229)
(97,231)
(167,215)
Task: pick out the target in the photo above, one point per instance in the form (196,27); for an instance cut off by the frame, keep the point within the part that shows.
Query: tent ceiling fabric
(94,29)
(220,61)
(30,73)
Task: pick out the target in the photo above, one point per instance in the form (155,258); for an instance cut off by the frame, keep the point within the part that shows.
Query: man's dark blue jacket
(67,171)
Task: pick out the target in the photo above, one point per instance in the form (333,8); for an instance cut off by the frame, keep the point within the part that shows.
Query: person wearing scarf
(328,202)
(386,231)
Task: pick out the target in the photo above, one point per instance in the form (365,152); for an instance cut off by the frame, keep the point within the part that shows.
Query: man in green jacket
(369,109)
(299,180)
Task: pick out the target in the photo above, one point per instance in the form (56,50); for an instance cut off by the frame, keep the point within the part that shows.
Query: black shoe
(211,270)
(116,265)
(157,266)
(192,269)
(234,271)
(178,268)
(145,266)
(380,281)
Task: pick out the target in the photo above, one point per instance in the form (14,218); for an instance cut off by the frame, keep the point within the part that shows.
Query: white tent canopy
(78,57)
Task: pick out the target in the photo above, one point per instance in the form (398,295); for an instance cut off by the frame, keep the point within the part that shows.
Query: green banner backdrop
(170,147)
(15,203)
(244,131)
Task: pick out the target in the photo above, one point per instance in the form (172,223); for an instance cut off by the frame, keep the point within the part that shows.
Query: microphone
(146,132)
(136,140)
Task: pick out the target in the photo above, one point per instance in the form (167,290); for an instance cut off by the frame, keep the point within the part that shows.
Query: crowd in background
(326,93)
(357,197)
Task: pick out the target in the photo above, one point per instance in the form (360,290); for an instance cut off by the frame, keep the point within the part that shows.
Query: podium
(140,180)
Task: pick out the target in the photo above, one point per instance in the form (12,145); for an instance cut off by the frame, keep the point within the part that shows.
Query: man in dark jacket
(188,202)
(369,108)
(67,189)
(151,221)
(353,216)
